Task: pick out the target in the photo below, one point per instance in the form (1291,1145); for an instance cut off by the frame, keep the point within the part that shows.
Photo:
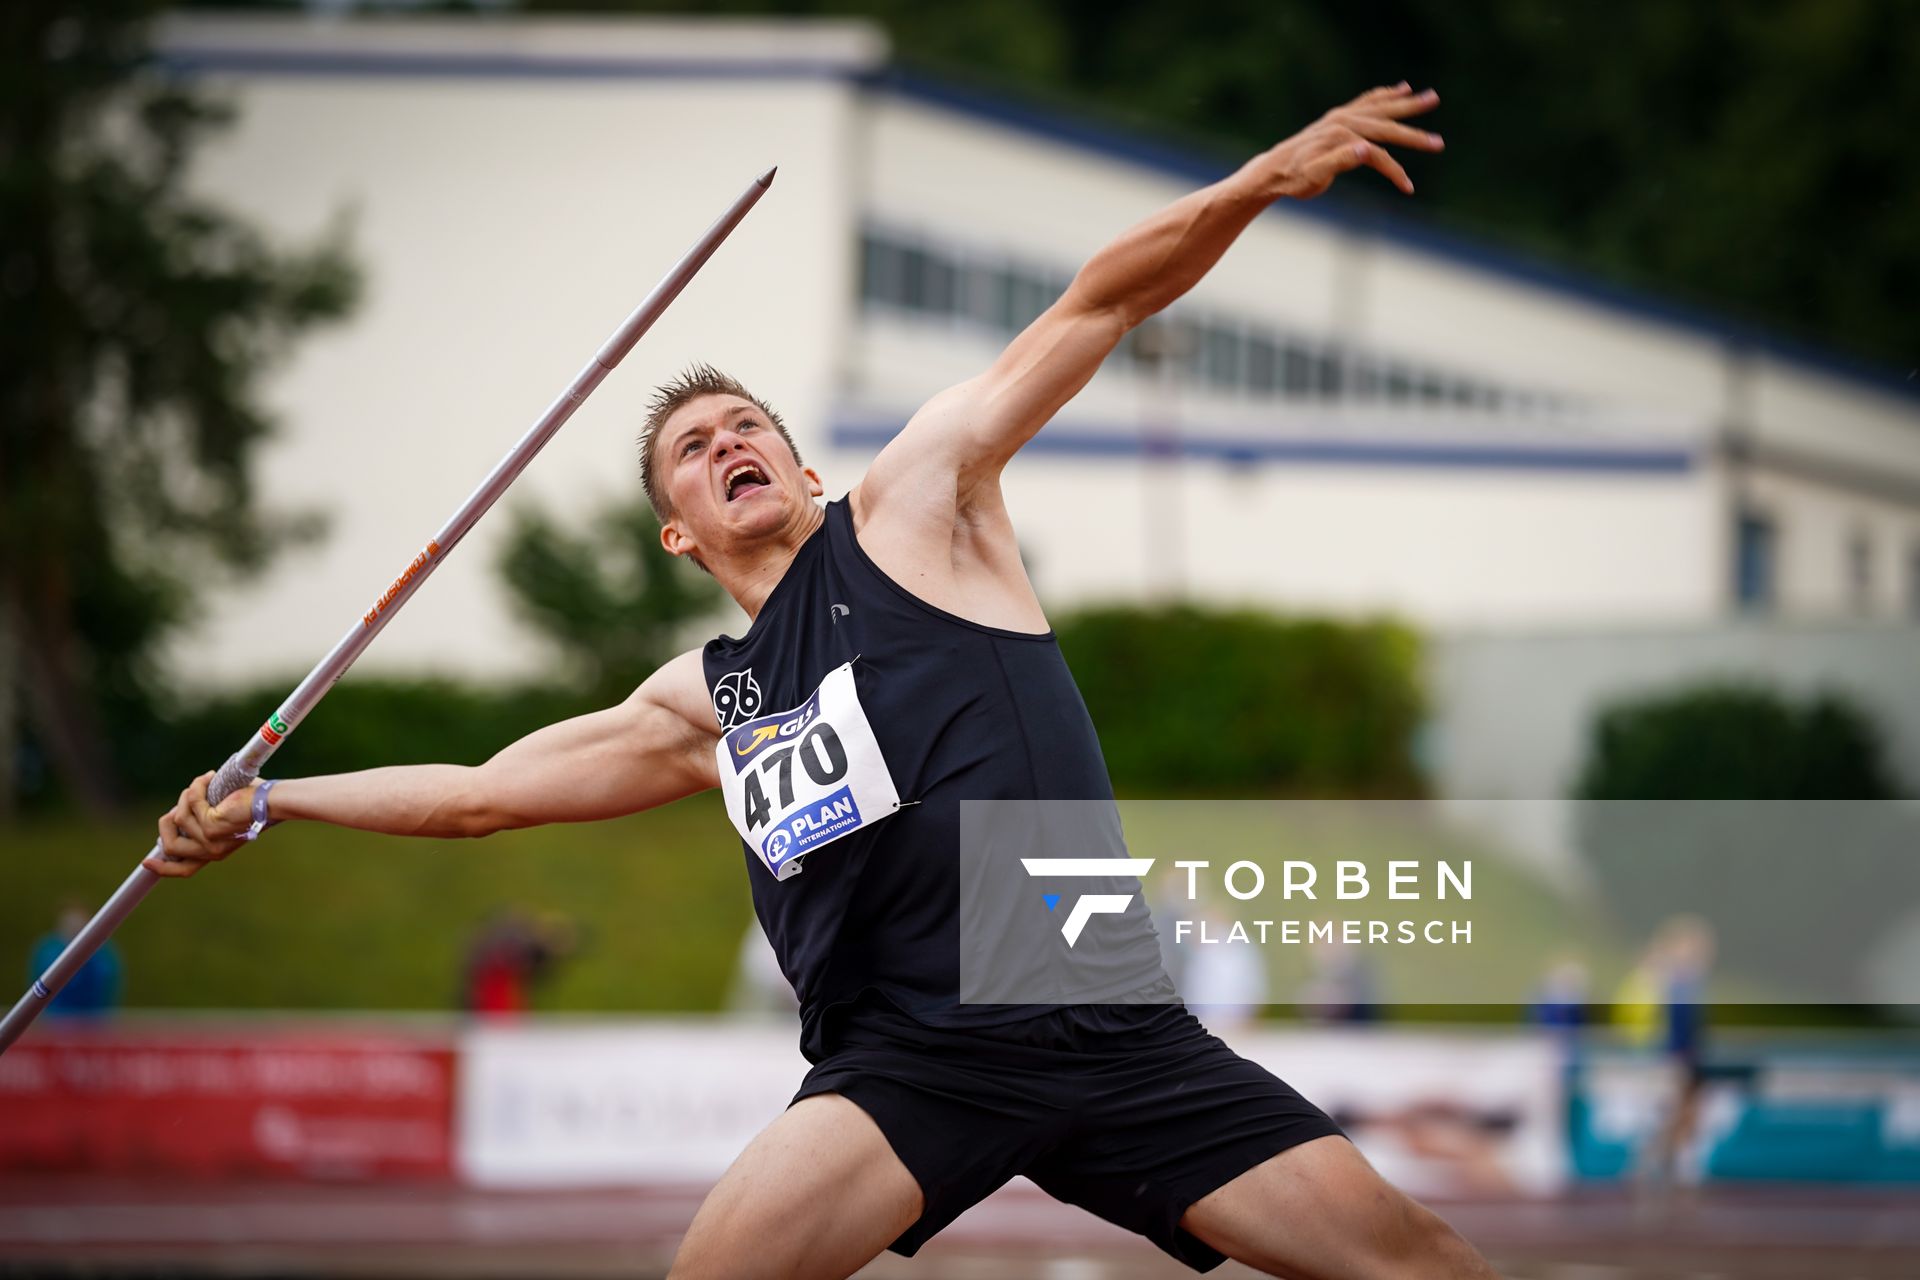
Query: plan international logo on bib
(817,823)
(1087,905)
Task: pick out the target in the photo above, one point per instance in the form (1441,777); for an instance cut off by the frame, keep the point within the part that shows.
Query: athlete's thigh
(1318,1211)
(818,1193)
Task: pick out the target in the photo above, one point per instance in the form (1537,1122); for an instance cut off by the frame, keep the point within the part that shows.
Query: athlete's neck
(751,574)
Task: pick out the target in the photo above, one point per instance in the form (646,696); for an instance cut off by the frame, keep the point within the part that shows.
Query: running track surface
(94,1227)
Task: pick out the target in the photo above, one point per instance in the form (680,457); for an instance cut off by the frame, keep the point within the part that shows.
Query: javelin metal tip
(766,179)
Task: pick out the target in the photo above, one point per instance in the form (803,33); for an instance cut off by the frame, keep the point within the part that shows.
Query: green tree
(610,600)
(138,320)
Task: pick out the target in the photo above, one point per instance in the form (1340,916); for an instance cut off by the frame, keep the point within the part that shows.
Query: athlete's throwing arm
(929,512)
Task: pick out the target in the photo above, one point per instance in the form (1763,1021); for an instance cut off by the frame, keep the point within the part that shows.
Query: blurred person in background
(1660,1010)
(94,992)
(513,953)
(1560,1003)
(1681,956)
(898,663)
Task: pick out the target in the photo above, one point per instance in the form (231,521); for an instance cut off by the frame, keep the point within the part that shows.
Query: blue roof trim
(369,64)
(1195,165)
(1114,442)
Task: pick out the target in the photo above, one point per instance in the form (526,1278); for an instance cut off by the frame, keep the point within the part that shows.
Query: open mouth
(744,478)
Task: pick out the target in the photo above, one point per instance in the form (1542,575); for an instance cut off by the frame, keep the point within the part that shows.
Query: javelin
(244,765)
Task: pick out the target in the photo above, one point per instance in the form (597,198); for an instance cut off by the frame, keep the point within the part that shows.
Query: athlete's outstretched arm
(978,425)
(655,747)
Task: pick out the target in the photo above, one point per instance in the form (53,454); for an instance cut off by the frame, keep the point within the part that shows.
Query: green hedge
(1721,742)
(1191,700)
(1727,741)
(1186,700)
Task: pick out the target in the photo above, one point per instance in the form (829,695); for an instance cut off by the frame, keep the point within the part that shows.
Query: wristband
(260,819)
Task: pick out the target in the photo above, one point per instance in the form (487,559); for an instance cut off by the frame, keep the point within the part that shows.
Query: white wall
(1815,525)
(1821,416)
(506,225)
(1503,549)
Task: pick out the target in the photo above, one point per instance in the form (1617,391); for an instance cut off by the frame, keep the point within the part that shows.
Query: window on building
(928,282)
(1263,365)
(1296,364)
(1755,552)
(1369,379)
(1328,373)
(1221,352)
(880,270)
(1031,296)
(989,296)
(1228,354)
(1860,571)
(1399,384)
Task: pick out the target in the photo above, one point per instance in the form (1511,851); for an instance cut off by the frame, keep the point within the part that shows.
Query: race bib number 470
(804,778)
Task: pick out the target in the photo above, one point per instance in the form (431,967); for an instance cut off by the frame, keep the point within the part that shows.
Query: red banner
(302,1103)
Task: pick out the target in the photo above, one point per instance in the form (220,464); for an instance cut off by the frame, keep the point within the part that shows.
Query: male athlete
(898,663)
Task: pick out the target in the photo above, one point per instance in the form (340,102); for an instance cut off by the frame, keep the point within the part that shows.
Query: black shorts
(1132,1112)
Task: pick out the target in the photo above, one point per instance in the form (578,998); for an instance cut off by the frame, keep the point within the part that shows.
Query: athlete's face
(730,477)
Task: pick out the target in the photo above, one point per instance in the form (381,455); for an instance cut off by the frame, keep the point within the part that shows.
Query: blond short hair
(694,382)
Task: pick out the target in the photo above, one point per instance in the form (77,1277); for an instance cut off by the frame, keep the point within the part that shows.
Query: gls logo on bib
(806,777)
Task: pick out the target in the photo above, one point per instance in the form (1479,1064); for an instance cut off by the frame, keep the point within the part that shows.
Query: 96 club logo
(800,779)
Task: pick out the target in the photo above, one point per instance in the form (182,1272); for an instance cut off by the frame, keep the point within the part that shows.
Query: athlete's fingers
(226,819)
(1403,105)
(175,859)
(203,808)
(1382,130)
(1400,90)
(1318,173)
(1352,154)
(235,813)
(186,818)
(1377,157)
(170,868)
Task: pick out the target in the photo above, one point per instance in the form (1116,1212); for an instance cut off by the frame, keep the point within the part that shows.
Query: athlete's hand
(1351,137)
(195,832)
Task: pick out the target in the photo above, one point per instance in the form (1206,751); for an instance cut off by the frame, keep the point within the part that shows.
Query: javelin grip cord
(245,764)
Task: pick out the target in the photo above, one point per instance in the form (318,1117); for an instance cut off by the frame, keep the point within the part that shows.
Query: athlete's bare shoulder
(941,531)
(679,687)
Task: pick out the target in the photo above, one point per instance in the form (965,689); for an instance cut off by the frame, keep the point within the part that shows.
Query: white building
(1348,415)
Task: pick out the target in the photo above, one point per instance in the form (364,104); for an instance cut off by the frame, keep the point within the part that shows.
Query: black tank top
(960,711)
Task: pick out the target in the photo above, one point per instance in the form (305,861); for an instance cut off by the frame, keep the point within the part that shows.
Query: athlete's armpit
(652,749)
